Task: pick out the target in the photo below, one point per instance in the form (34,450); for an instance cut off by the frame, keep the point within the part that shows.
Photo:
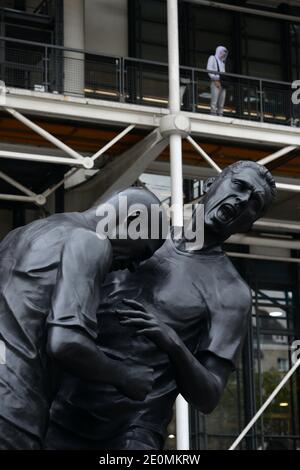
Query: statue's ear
(133,215)
(207,184)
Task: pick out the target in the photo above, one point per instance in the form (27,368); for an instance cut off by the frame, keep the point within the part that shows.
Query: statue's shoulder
(51,234)
(84,240)
(85,235)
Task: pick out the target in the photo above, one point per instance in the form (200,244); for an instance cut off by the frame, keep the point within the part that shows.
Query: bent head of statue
(237,198)
(126,219)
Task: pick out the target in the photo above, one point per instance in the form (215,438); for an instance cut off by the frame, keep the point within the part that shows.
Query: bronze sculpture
(182,313)
(50,276)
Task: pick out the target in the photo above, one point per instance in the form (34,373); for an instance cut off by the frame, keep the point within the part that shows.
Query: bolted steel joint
(40,200)
(177,124)
(88,163)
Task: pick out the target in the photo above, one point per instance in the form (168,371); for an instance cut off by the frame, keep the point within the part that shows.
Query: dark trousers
(14,438)
(135,438)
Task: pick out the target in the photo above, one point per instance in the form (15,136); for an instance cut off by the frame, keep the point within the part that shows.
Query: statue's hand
(147,324)
(136,380)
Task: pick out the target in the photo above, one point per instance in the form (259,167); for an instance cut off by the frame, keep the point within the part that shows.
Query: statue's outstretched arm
(79,355)
(200,383)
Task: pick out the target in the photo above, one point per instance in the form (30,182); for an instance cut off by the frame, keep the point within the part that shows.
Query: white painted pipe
(264,241)
(281,259)
(265,405)
(248,11)
(278,224)
(46,135)
(173,56)
(40,158)
(293,188)
(201,173)
(204,154)
(12,197)
(17,185)
(280,186)
(276,155)
(182,424)
(182,409)
(174,108)
(176,180)
(112,142)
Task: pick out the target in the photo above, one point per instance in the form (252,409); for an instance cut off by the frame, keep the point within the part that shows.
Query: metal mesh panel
(102,77)
(146,83)
(23,68)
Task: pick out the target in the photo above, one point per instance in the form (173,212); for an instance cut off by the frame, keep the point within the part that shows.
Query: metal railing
(44,7)
(38,66)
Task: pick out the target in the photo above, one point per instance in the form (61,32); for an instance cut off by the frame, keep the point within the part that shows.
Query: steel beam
(17,185)
(119,172)
(147,117)
(243,131)
(282,259)
(182,409)
(245,10)
(83,109)
(45,134)
(277,155)
(294,188)
(17,198)
(125,169)
(241,239)
(40,158)
(204,155)
(52,189)
(112,142)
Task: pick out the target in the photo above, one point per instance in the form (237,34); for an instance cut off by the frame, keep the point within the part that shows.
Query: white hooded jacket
(216,63)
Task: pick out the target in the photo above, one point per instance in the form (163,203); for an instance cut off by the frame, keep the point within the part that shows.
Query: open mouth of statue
(226,213)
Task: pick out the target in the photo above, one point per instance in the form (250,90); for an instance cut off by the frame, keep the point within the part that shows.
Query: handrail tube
(145,61)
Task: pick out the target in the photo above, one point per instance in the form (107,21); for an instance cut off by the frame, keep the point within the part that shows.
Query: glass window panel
(154,10)
(153,33)
(279,443)
(274,310)
(170,443)
(268,51)
(206,18)
(270,342)
(207,31)
(295,35)
(209,41)
(262,48)
(154,52)
(272,363)
(219,443)
(262,27)
(263,70)
(200,60)
(229,415)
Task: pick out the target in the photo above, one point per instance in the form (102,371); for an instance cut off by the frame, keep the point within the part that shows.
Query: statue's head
(132,220)
(237,198)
